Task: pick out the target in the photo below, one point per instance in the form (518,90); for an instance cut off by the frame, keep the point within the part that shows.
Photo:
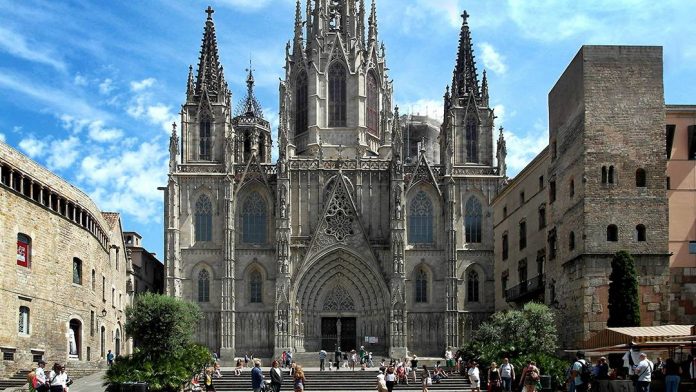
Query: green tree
(624,310)
(166,358)
(160,324)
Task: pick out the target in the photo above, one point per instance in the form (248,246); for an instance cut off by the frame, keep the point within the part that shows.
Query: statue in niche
(283,202)
(72,342)
(335,14)
(397,202)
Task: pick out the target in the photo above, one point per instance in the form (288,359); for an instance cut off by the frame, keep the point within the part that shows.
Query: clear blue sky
(89,88)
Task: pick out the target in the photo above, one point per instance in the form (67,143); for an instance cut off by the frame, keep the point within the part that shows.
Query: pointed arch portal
(342,299)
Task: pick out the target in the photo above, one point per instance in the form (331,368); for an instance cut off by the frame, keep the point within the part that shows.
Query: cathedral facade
(342,241)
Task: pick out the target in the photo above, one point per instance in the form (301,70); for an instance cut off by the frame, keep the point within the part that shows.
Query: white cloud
(32,146)
(63,153)
(522,148)
(106,86)
(492,59)
(15,44)
(142,85)
(499,112)
(80,80)
(99,133)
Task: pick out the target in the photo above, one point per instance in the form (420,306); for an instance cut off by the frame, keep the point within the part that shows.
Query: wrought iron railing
(526,288)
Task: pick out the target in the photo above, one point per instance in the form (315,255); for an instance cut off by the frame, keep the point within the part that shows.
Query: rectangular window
(523,235)
(504,211)
(94,279)
(23,249)
(113,297)
(552,244)
(670,139)
(505,246)
(77,271)
(103,289)
(36,356)
(8,355)
(521,197)
(24,320)
(692,142)
(542,217)
(541,182)
(504,281)
(692,247)
(552,191)
(91,323)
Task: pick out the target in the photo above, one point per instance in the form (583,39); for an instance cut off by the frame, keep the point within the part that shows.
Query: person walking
(672,372)
(40,375)
(337,357)
(276,377)
(644,371)
(414,366)
(530,376)
(425,379)
(474,377)
(494,381)
(283,357)
(110,358)
(288,358)
(507,375)
(257,377)
(353,360)
(581,385)
(56,379)
(299,380)
(322,359)
(390,379)
(449,360)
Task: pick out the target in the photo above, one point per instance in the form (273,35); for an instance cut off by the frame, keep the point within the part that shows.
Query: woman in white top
(58,378)
(474,377)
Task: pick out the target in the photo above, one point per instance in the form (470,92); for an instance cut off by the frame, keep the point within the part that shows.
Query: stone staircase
(342,380)
(17,380)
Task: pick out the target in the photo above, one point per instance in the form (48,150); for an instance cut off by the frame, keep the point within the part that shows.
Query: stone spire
(249,106)
(484,89)
(501,154)
(209,75)
(372,23)
(361,22)
(297,41)
(173,149)
(190,84)
(465,80)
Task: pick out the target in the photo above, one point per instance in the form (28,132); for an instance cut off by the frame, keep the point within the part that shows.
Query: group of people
(56,380)
(259,382)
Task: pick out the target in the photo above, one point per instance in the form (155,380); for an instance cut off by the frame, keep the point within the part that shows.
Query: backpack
(585,372)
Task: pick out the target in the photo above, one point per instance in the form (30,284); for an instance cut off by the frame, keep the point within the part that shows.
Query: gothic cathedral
(343,241)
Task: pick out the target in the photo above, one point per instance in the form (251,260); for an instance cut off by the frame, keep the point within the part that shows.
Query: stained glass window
(204,219)
(301,103)
(420,220)
(372,105)
(205,140)
(473,220)
(254,219)
(337,95)
(256,287)
(422,286)
(473,286)
(203,286)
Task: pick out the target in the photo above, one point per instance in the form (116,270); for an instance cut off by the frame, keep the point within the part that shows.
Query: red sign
(22,254)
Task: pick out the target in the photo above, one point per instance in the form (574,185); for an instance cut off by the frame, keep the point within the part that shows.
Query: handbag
(429,381)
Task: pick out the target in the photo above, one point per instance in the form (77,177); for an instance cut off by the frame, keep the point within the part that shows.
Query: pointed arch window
(203,226)
(301,103)
(473,220)
(205,142)
(472,294)
(203,286)
(421,286)
(255,288)
(254,219)
(471,139)
(337,95)
(420,220)
(372,104)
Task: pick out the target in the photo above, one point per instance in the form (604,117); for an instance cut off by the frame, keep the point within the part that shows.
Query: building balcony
(527,290)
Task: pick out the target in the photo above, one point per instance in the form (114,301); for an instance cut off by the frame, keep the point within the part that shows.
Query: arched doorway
(117,343)
(342,299)
(74,339)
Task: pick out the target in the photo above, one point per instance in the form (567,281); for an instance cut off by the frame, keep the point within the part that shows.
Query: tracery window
(372,105)
(255,287)
(473,220)
(422,286)
(203,286)
(301,103)
(472,293)
(254,219)
(420,220)
(205,140)
(337,95)
(472,139)
(203,226)
(338,299)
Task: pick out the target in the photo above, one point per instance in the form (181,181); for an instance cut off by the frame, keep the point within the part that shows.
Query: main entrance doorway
(338,330)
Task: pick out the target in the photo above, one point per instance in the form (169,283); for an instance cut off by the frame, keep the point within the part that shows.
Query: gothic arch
(337,94)
(482,278)
(473,219)
(341,266)
(195,276)
(420,268)
(253,189)
(301,101)
(414,194)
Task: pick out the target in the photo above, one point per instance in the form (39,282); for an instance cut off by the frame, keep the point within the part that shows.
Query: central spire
(249,106)
(209,76)
(465,80)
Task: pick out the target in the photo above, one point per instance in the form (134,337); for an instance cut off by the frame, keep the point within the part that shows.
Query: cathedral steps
(342,380)
(16,380)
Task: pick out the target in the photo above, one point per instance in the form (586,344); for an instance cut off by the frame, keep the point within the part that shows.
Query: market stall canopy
(637,335)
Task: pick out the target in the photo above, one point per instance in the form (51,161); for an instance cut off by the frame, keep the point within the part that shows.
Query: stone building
(341,241)
(63,271)
(420,132)
(147,270)
(598,188)
(681,190)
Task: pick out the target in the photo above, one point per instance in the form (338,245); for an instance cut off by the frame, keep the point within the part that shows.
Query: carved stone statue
(72,342)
